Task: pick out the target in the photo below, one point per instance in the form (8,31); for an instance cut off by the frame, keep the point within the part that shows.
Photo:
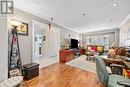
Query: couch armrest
(117,65)
(124,83)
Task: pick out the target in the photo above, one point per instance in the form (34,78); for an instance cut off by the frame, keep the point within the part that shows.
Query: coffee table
(127,64)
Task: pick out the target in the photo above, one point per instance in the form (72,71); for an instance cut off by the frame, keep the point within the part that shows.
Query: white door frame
(33,35)
(45,26)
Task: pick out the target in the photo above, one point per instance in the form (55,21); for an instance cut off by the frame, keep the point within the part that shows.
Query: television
(74,43)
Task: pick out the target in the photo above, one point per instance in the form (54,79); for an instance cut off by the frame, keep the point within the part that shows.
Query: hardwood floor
(62,75)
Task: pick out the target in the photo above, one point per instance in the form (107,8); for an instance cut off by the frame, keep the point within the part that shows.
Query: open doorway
(45,44)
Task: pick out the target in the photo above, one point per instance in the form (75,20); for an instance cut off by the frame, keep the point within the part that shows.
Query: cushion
(89,48)
(99,48)
(113,80)
(109,69)
(94,48)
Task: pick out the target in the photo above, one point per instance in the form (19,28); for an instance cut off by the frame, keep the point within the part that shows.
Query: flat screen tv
(74,43)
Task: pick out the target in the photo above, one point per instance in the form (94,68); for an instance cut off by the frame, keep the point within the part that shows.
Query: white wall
(3,48)
(124,34)
(52,42)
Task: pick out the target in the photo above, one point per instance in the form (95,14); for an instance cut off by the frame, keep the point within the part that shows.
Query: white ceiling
(100,14)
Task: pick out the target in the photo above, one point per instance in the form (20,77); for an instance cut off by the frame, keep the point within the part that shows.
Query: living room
(62,38)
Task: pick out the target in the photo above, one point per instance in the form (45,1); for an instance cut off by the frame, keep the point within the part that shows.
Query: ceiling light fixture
(36,3)
(52,19)
(114,5)
(50,25)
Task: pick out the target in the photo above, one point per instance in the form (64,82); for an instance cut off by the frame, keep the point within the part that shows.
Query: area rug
(81,63)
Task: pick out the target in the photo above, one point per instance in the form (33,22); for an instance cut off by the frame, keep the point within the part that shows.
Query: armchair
(109,80)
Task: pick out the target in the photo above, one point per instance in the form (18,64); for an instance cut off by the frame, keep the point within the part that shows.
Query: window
(102,40)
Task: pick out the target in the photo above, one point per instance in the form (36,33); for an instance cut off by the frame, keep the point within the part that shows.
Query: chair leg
(87,57)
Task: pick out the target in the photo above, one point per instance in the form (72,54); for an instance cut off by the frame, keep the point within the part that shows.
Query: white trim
(32,40)
(33,32)
(125,20)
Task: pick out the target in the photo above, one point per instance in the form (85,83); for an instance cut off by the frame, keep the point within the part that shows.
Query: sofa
(95,48)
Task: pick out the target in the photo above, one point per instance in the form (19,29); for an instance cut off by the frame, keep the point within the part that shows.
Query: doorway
(45,44)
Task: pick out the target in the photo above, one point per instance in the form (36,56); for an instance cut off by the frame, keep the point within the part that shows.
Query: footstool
(12,82)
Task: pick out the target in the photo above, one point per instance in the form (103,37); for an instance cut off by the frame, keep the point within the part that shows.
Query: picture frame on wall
(22,29)
(44,38)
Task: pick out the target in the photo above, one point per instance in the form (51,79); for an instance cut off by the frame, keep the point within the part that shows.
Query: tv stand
(66,55)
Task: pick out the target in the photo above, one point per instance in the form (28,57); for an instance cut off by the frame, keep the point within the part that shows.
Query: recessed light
(36,3)
(52,19)
(110,20)
(114,5)
(84,14)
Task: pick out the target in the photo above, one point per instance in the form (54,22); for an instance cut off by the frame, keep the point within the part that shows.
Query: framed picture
(44,38)
(22,29)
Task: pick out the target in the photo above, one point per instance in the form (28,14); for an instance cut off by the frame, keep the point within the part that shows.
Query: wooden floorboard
(62,75)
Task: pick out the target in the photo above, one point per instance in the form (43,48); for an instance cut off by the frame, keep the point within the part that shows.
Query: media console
(66,55)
